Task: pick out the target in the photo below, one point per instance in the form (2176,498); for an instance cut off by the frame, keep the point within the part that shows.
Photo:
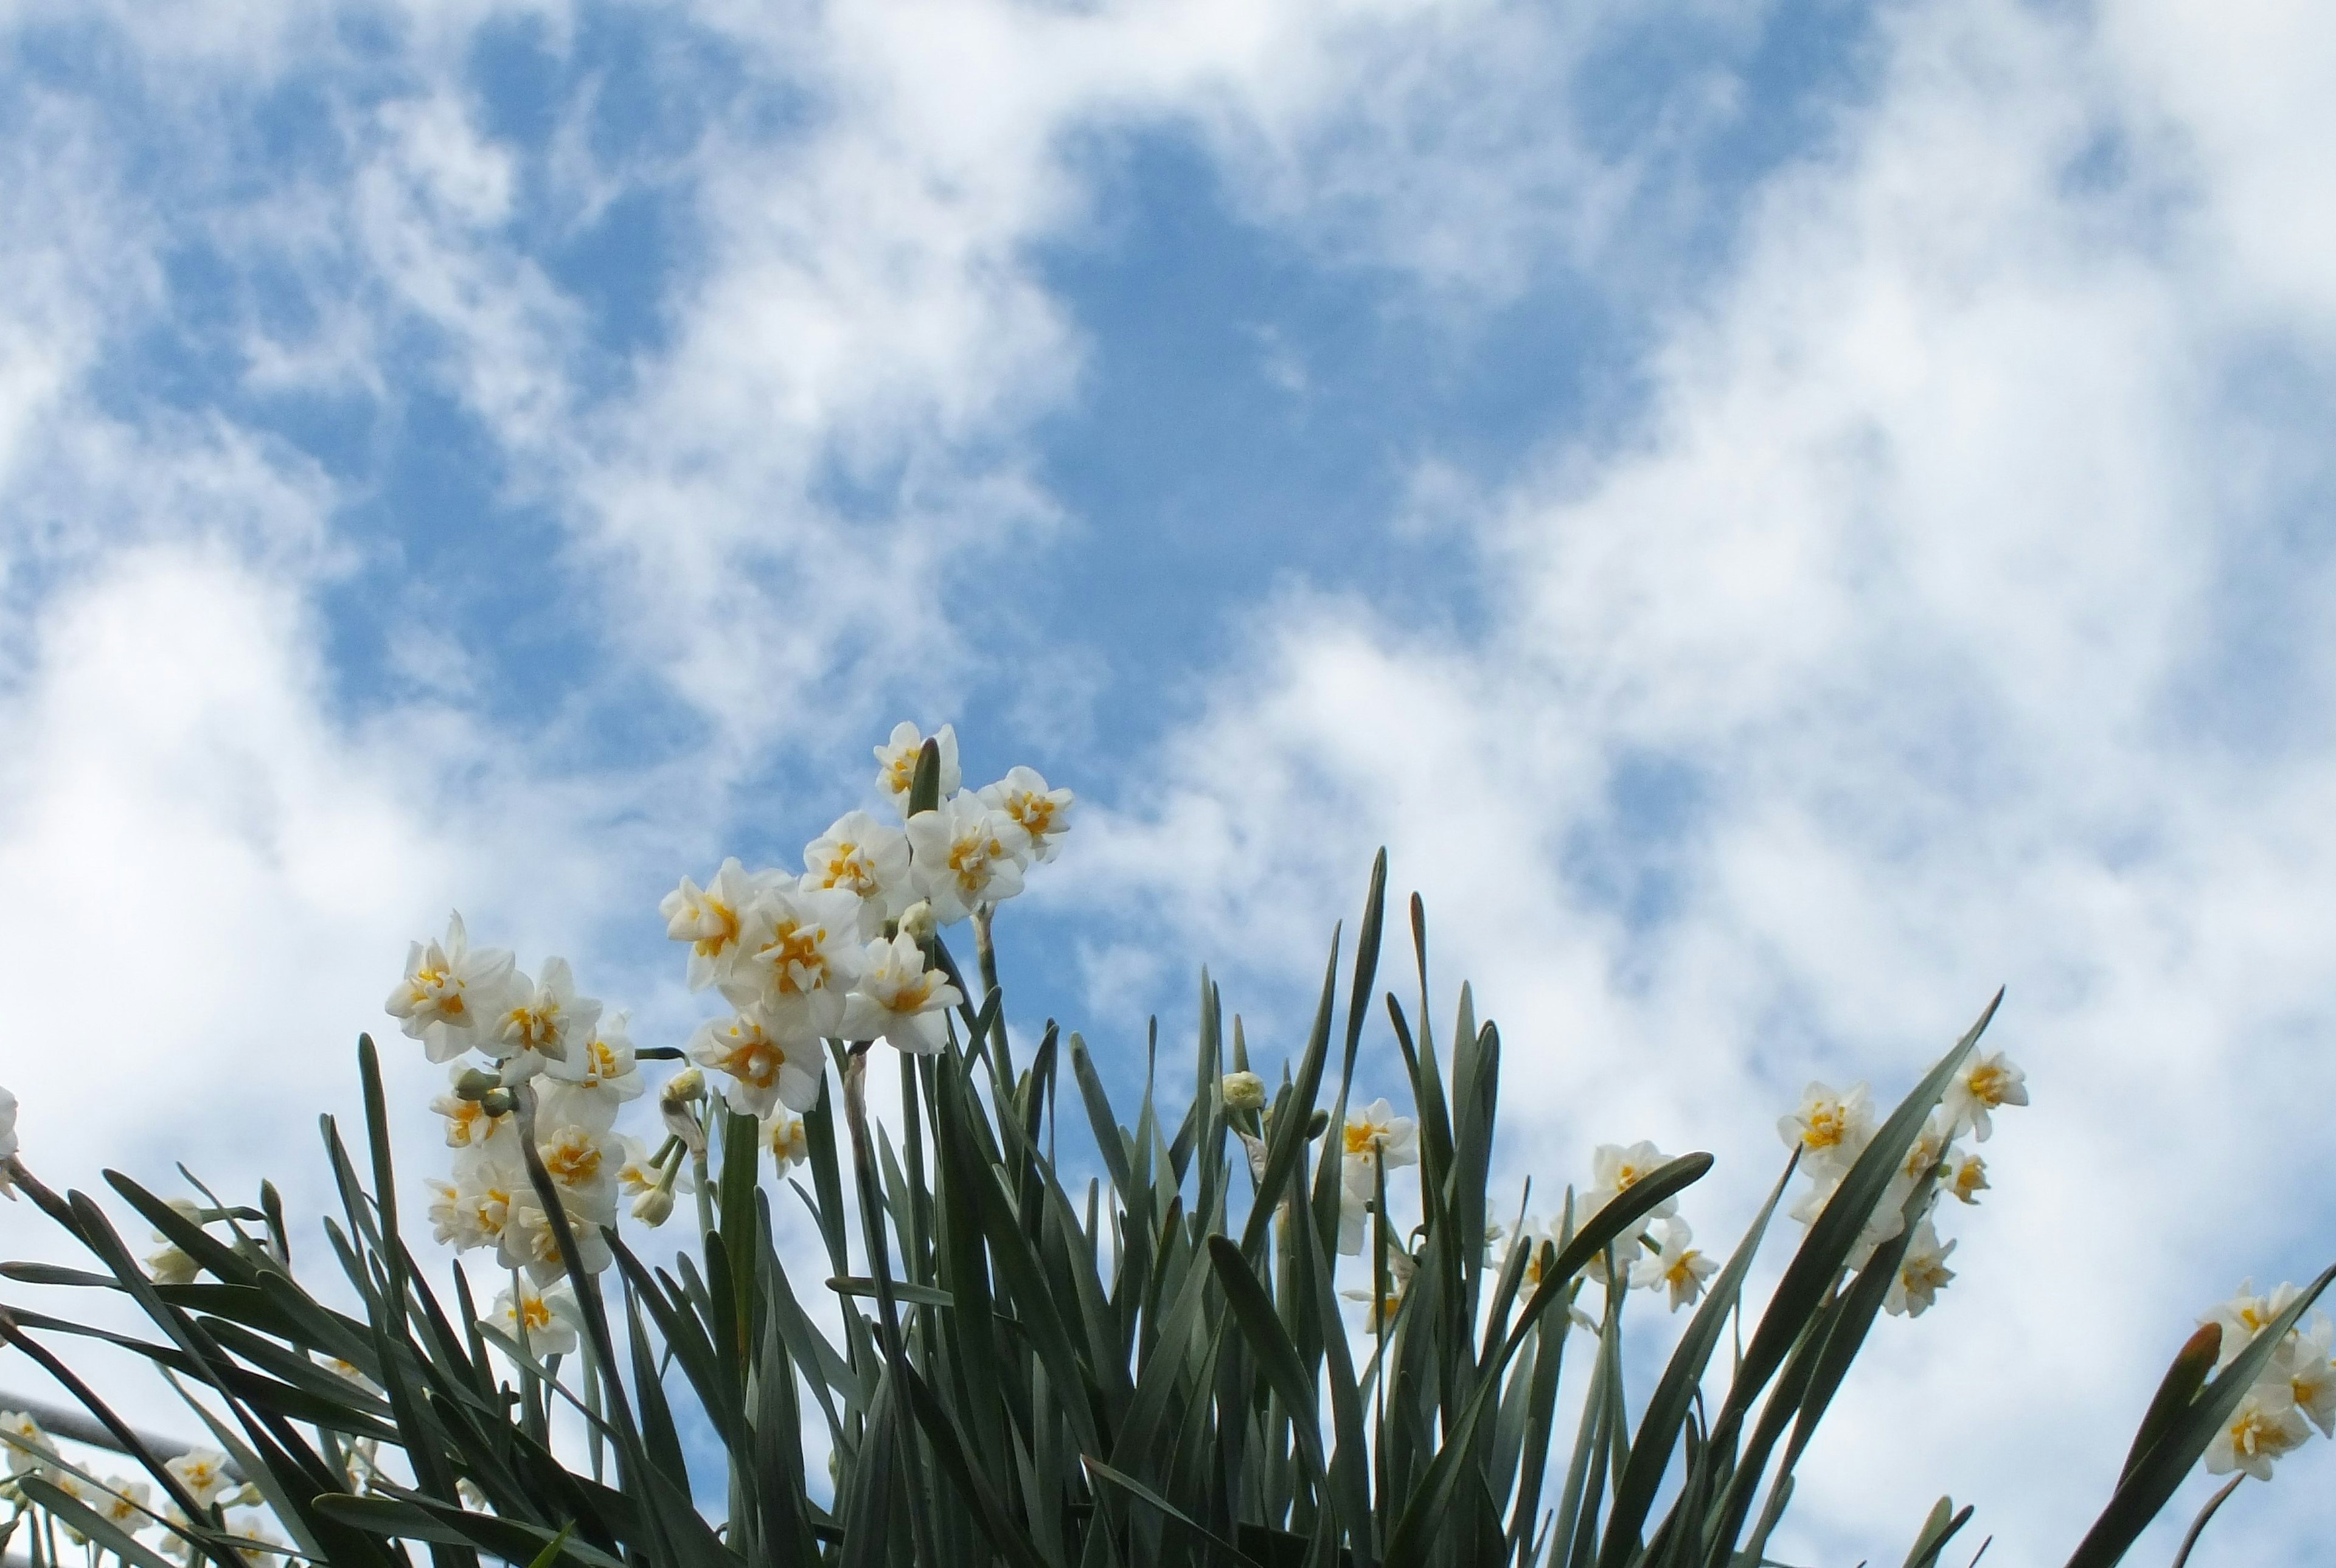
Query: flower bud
(654,1207)
(496,1102)
(1244,1092)
(681,1091)
(170,1266)
(916,922)
(686,1086)
(1316,1123)
(476,1085)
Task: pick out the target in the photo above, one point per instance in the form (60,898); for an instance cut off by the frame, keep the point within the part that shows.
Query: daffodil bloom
(1984,1083)
(1922,1273)
(468,1125)
(1830,1130)
(124,1503)
(588,1088)
(202,1472)
(638,1171)
(2310,1373)
(764,1068)
(1376,1136)
(963,856)
(896,763)
(529,1242)
(1243,1092)
(899,1000)
(789,1141)
(861,856)
(544,1321)
(26,1444)
(473,1210)
(1675,1265)
(1382,1308)
(2265,1426)
(710,919)
(439,1000)
(1966,1176)
(540,1022)
(1614,1170)
(582,1162)
(798,954)
(1044,815)
(2245,1315)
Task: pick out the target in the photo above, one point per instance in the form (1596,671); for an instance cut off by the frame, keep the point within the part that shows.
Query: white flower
(125,1504)
(7,1141)
(916,922)
(637,1170)
(1922,1273)
(798,956)
(473,1210)
(1614,1170)
(1376,1135)
(1044,815)
(1966,1176)
(896,763)
(26,1445)
(202,1472)
(445,984)
(899,1000)
(544,1321)
(654,1207)
(784,1134)
(861,856)
(468,1125)
(1675,1264)
(167,1265)
(1984,1083)
(709,919)
(965,855)
(2244,1316)
(582,1162)
(2312,1373)
(1243,1092)
(529,1242)
(589,1086)
(1830,1130)
(1382,1308)
(2265,1426)
(764,1068)
(1353,1207)
(540,1021)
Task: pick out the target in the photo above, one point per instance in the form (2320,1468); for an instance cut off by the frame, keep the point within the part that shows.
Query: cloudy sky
(1782,517)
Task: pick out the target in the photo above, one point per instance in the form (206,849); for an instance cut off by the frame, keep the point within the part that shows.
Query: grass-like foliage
(1089,1334)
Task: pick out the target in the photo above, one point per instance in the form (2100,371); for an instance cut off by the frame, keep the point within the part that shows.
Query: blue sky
(1783,519)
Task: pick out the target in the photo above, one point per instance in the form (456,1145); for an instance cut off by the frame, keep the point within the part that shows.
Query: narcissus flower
(468,1124)
(899,1000)
(544,1321)
(764,1068)
(1984,1083)
(1382,1308)
(709,919)
(2265,1426)
(1243,1092)
(446,985)
(539,1021)
(124,1503)
(529,1242)
(1676,1265)
(1830,1130)
(2245,1315)
(1376,1136)
(471,1210)
(896,763)
(964,855)
(799,954)
(861,856)
(1044,815)
(1922,1273)
(1614,1170)
(202,1472)
(789,1141)
(2312,1373)
(1966,1176)
(22,1444)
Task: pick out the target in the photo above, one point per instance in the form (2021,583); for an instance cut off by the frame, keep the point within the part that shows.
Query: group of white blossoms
(837,951)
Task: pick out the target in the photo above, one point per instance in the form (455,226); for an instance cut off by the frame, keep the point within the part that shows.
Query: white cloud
(1914,573)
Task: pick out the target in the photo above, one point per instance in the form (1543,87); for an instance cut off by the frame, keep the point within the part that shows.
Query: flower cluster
(1656,1251)
(841,950)
(2296,1386)
(1830,1130)
(26,1450)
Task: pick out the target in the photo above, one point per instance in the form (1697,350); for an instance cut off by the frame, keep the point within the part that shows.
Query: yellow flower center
(726,932)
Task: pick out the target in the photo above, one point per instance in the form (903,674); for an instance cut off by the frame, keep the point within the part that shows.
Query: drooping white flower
(2244,1316)
(468,1125)
(965,855)
(2311,1371)
(540,1021)
(896,763)
(1376,1136)
(1381,1309)
(2264,1427)
(789,1141)
(1830,1130)
(1984,1083)
(1922,1273)
(1675,1264)
(544,1321)
(899,1000)
(1614,1170)
(1966,1176)
(710,919)
(764,1068)
(1044,815)
(446,983)
(798,954)
(202,1472)
(9,1145)
(864,857)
